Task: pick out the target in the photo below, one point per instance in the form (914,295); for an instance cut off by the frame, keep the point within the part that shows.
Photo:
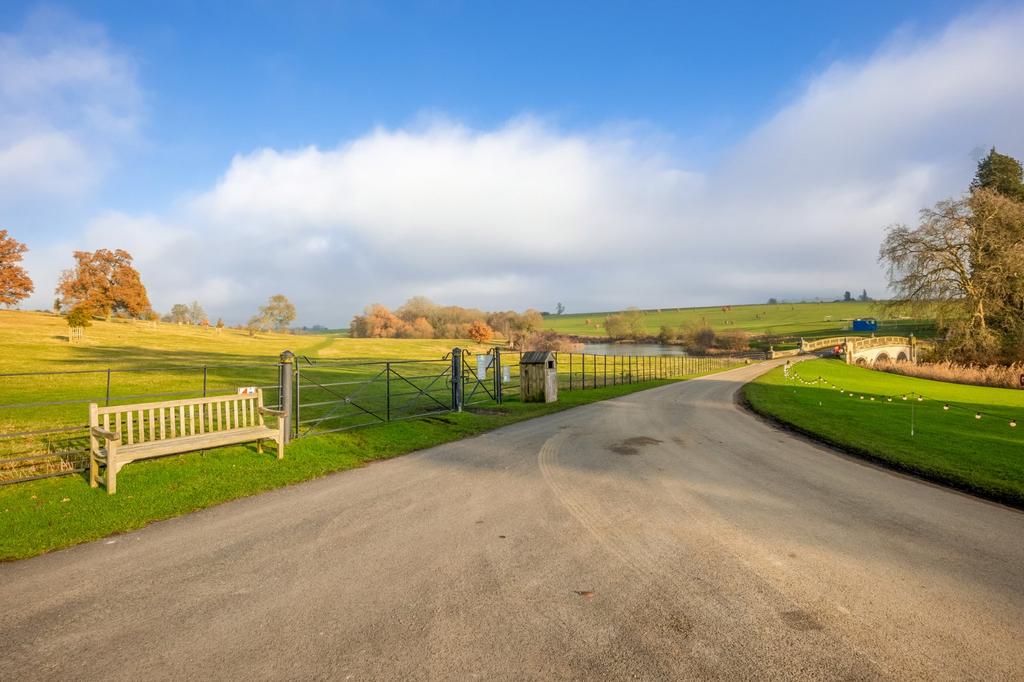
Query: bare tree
(196,314)
(964,261)
(277,315)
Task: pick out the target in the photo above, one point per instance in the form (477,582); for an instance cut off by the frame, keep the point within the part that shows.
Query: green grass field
(783,319)
(985,456)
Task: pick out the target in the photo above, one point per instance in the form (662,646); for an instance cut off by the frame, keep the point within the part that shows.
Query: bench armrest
(103,433)
(275,413)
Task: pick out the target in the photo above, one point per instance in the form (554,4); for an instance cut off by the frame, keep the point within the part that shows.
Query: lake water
(632,349)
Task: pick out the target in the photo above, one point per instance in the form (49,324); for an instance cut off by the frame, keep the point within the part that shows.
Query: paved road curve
(662,535)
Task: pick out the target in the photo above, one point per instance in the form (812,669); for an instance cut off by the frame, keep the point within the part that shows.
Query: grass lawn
(985,456)
(39,516)
(806,319)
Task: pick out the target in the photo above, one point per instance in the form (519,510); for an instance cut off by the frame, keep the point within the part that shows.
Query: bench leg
(94,470)
(112,468)
(259,446)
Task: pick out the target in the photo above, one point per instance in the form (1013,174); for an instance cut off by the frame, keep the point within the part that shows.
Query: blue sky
(365,150)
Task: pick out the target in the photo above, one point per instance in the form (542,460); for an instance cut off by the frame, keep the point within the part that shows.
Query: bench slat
(130,430)
(128,453)
(173,403)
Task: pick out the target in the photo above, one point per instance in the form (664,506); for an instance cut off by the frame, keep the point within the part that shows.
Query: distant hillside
(779,319)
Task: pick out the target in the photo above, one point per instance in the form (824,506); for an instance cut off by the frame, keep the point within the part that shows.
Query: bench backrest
(145,422)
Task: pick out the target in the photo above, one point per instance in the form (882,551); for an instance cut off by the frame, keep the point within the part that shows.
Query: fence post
(286,369)
(456,380)
(204,380)
(108,387)
(387,384)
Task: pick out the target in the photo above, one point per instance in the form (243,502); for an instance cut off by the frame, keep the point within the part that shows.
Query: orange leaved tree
(15,284)
(104,282)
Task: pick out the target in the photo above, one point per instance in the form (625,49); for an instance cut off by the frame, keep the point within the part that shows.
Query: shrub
(698,337)
(550,340)
(668,334)
(999,376)
(627,325)
(734,339)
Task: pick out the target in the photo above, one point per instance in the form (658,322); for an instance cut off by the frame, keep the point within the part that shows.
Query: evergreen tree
(1000,173)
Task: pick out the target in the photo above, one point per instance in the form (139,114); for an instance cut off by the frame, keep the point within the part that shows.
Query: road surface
(664,535)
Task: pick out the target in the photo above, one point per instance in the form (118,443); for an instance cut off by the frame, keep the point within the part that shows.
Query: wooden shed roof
(537,357)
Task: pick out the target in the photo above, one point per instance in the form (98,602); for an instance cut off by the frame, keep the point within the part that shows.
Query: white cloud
(527,214)
(67,99)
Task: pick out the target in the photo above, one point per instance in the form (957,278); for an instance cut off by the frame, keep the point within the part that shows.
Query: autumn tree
(421,329)
(480,331)
(104,283)
(377,322)
(15,284)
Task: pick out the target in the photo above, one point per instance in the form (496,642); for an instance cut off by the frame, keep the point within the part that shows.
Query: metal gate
(337,395)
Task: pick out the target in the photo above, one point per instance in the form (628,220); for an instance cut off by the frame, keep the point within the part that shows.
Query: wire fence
(43,415)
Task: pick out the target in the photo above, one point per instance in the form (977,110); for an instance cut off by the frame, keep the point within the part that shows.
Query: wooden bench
(132,432)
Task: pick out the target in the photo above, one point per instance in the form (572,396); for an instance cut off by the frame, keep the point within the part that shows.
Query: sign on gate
(506,374)
(483,362)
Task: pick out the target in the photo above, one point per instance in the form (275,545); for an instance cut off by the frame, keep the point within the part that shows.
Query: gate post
(286,370)
(456,380)
(497,376)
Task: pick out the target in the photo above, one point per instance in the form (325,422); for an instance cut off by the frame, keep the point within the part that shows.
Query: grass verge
(981,456)
(41,516)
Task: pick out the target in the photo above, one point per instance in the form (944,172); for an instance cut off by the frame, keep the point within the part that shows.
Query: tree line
(965,263)
(421,318)
(105,284)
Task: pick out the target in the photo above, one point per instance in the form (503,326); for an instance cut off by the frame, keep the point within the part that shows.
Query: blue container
(868,325)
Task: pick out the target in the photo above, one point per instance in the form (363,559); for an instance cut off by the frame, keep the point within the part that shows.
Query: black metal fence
(43,415)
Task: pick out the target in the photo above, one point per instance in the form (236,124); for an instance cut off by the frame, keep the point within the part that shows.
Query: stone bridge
(865,350)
